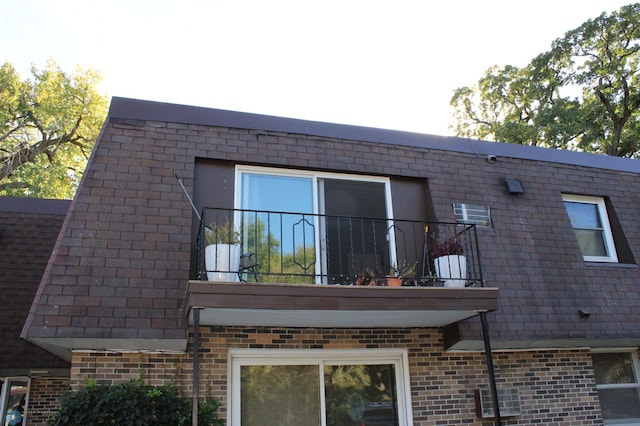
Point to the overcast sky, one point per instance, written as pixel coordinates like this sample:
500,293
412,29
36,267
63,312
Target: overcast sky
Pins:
391,64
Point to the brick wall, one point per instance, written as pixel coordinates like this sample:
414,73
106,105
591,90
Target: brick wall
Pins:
556,386
44,398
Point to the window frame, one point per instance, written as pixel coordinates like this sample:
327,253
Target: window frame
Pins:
599,202
320,357
636,385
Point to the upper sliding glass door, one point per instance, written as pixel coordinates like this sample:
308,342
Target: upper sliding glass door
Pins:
356,229
314,226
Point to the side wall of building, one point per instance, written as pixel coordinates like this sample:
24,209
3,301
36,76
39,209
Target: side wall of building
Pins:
556,386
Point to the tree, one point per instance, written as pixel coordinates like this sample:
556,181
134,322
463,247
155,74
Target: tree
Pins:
583,94
48,126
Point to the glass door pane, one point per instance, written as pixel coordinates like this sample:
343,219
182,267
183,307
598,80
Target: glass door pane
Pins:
360,395
280,229
355,229
276,395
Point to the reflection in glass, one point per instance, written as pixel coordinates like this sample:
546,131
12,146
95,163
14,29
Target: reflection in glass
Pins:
613,368
587,225
15,402
276,395
280,230
360,394
617,368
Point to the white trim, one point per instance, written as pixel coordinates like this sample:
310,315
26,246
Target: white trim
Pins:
397,357
606,226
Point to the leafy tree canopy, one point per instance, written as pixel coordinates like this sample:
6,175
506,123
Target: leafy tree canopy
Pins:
48,125
583,94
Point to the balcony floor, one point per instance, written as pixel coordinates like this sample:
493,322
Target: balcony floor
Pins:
304,305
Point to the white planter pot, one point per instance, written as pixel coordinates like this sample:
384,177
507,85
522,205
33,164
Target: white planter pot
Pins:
452,269
222,257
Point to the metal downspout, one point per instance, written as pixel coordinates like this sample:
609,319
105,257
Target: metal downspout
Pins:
196,362
487,347
490,369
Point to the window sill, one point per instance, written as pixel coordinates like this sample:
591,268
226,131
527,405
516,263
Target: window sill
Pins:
611,265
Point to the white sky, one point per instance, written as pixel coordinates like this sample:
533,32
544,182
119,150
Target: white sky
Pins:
392,64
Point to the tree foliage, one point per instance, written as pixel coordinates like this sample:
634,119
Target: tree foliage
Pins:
583,94
48,125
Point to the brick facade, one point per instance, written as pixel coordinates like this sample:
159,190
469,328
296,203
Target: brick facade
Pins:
556,386
44,398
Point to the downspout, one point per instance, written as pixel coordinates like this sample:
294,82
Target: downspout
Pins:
196,362
487,348
490,369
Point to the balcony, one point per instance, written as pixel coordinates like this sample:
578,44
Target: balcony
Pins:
299,269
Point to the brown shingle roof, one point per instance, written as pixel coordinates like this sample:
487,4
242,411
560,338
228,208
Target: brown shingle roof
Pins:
28,231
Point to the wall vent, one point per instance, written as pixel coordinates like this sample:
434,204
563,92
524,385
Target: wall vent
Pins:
508,398
472,214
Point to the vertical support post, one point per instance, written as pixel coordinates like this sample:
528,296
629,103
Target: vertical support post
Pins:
196,364
490,369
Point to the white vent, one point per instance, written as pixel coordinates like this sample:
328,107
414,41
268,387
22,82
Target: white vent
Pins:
472,214
508,398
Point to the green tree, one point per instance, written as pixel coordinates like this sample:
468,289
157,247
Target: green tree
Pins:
48,126
583,94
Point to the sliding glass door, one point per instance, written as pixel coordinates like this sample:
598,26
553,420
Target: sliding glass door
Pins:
351,235
325,388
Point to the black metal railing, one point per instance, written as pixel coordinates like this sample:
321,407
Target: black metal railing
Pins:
286,247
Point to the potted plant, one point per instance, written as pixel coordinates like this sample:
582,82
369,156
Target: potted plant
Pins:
222,251
366,277
450,263
399,272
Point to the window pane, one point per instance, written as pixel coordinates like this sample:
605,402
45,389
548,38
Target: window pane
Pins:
360,394
356,243
613,368
276,395
619,404
282,243
591,242
15,402
583,215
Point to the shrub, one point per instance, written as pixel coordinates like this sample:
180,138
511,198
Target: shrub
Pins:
132,403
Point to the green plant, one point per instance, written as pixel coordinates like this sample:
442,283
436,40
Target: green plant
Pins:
131,403
448,247
221,233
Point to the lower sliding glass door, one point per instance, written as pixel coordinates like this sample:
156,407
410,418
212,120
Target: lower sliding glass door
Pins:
318,390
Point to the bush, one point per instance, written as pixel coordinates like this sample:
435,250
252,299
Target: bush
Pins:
132,403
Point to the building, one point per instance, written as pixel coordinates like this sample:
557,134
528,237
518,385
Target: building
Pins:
28,231
284,328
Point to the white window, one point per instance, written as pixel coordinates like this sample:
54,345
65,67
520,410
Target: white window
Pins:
284,206
618,387
337,387
472,214
590,222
